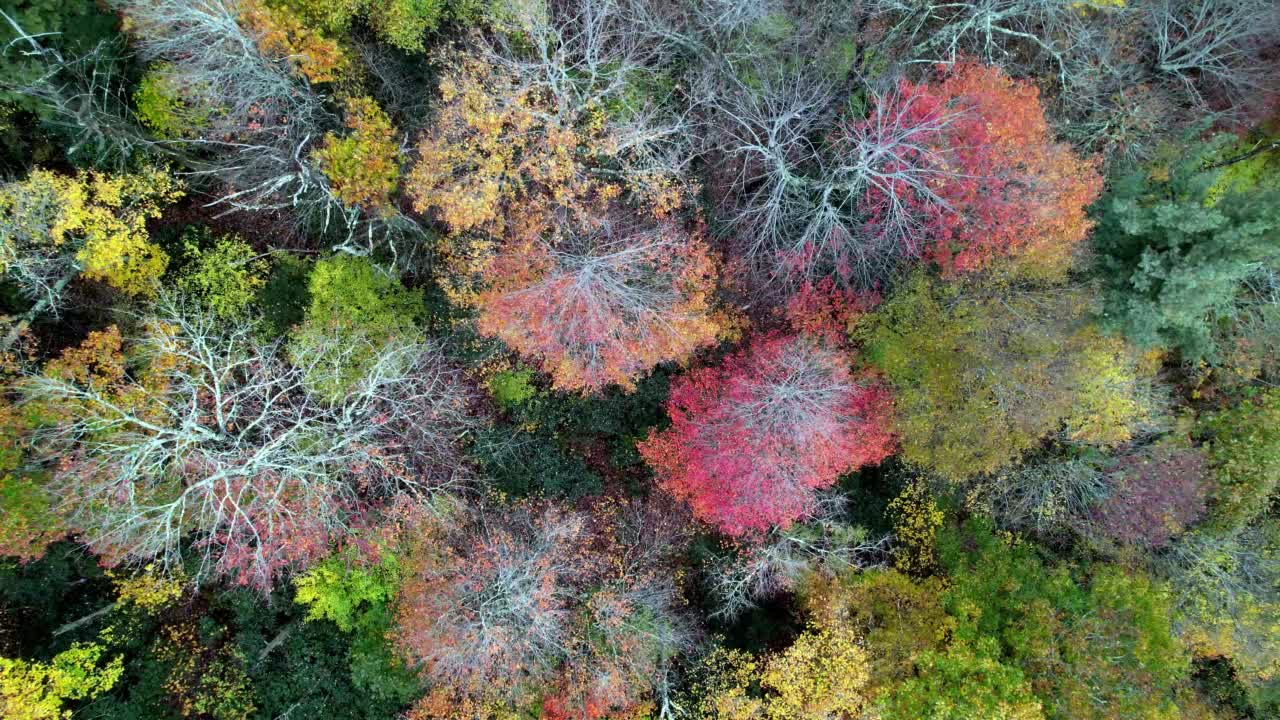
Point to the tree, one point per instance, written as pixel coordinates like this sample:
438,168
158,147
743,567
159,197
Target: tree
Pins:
601,302
1215,50
212,437
362,167
362,306
963,683
753,439
498,152
1174,250
1099,646
28,521
1008,190
898,619
223,273
1243,444
502,607
1052,498
248,71
55,227
959,171
916,521
205,679
37,691
1156,493
982,371
401,23
822,674
785,559
1227,605
540,127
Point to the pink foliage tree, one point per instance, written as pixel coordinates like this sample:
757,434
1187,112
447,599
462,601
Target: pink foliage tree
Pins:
753,439
1156,494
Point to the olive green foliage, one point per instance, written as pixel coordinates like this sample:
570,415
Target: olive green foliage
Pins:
402,24
961,684
161,108
1175,244
1244,449
1095,647
1227,592
223,273
898,618
356,308
984,370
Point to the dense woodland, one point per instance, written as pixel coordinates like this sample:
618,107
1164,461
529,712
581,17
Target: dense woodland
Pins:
640,359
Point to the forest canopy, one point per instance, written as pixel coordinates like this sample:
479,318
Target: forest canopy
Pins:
640,359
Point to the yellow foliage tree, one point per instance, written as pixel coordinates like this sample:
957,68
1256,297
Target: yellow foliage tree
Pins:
822,676
362,166
110,213
916,521
38,691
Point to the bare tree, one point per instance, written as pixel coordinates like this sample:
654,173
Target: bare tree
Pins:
262,122
217,439
585,55
802,206
1052,498
84,97
1212,45
784,557
991,30
490,602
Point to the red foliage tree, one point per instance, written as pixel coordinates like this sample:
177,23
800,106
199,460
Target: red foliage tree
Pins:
827,312
998,185
603,301
753,439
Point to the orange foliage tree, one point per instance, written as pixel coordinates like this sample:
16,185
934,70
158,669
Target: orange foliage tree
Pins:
558,266
1001,186
601,302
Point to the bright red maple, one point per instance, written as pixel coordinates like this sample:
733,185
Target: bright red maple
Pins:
753,439
998,184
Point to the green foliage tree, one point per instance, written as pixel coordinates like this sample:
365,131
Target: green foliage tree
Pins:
73,26
961,684
1099,648
358,302
39,691
224,273
1244,450
1174,245
356,597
